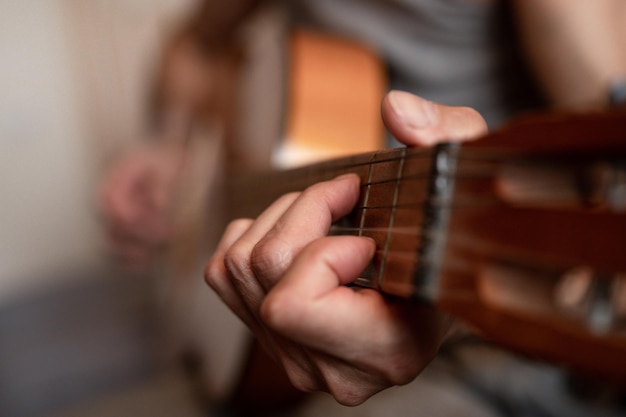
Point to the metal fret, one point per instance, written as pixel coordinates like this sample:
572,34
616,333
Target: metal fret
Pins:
366,196
366,278
391,218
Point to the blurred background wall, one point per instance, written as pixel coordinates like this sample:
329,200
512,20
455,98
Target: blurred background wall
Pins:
45,170
73,81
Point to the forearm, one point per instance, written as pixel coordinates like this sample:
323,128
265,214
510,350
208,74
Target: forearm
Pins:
576,49
215,22
195,75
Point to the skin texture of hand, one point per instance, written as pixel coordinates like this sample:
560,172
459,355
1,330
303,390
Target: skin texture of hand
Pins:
286,279
135,199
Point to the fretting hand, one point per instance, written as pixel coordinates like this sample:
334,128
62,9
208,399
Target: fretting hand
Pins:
287,280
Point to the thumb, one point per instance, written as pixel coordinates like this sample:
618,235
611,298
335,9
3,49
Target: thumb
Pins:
415,121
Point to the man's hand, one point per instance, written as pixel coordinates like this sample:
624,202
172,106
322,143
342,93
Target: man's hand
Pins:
286,279
136,198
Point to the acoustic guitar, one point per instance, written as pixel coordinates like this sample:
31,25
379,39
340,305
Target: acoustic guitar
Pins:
520,234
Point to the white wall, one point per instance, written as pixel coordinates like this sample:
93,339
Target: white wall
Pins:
72,78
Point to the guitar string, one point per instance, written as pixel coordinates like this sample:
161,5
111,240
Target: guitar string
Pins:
285,187
342,166
481,177
472,174
332,169
346,165
464,174
457,264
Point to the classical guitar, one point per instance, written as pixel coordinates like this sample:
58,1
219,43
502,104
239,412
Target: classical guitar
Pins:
521,234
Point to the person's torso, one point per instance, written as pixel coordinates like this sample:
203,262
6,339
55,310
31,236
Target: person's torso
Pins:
457,52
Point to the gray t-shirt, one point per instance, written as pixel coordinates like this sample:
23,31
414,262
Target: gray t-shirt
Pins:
457,52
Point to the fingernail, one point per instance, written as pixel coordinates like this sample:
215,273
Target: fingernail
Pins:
416,112
345,177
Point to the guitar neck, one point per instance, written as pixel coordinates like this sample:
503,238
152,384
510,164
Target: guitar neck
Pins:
248,194
520,203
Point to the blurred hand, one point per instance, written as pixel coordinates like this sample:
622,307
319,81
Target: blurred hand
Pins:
136,198
286,279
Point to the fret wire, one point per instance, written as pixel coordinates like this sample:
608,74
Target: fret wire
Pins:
391,222
366,198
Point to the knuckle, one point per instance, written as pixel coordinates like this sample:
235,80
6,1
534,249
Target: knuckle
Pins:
213,271
237,261
270,258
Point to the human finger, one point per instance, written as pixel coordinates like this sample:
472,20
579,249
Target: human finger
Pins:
312,306
238,257
323,268
218,277
416,121
307,219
